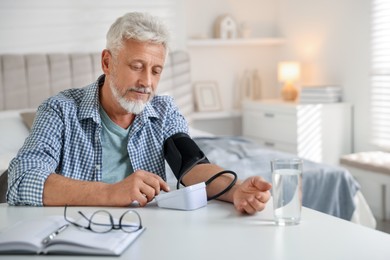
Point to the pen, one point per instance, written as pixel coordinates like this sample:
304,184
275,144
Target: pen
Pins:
55,233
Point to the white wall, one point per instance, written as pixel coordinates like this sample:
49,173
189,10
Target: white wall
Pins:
330,37
226,65
31,26
332,40
260,15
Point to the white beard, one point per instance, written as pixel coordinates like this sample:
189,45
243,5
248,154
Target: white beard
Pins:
133,107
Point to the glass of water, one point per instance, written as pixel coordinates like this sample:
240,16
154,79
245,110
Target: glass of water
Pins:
287,190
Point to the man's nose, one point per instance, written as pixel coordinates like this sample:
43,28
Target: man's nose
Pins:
145,79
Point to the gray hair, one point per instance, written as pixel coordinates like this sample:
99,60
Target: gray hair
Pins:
141,27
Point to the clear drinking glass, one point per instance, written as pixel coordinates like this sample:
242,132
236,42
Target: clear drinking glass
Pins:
287,190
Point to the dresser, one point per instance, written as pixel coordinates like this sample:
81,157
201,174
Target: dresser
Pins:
317,132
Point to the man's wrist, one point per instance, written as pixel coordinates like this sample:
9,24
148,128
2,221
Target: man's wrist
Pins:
107,194
230,194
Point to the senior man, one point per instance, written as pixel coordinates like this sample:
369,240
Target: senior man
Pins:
104,144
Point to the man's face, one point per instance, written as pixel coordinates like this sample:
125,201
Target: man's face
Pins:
134,74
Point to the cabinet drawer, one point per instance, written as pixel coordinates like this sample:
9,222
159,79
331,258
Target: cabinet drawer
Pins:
270,126
276,145
318,132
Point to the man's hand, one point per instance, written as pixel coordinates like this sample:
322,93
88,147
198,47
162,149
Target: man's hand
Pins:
251,195
141,186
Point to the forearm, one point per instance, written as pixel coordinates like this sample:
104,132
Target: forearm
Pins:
203,172
59,190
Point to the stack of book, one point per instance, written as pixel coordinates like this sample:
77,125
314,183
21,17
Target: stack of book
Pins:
320,94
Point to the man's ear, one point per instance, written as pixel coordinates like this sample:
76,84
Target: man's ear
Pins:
106,59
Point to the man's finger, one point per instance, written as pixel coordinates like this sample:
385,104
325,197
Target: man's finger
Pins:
249,209
142,200
261,184
148,191
156,182
164,186
258,205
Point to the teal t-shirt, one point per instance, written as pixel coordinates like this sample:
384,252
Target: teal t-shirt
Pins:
116,161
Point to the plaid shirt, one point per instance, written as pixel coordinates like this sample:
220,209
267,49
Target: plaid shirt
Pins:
66,139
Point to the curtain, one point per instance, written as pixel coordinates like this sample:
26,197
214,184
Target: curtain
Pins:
380,77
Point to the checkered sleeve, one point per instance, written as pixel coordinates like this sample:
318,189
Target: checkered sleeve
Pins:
37,159
175,121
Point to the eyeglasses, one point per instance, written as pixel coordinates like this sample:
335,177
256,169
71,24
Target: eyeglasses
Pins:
102,221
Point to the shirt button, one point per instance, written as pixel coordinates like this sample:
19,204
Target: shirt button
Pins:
97,167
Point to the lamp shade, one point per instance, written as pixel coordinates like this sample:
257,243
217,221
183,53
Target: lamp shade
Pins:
288,71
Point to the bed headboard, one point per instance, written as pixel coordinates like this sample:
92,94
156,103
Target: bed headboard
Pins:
27,79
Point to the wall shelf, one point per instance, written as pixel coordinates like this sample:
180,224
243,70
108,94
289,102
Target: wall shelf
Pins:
235,42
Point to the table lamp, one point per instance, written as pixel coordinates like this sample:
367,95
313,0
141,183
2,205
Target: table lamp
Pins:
288,73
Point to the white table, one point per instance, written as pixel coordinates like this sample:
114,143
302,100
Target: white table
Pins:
219,232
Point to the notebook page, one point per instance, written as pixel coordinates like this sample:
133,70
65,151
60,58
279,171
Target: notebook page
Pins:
84,241
28,235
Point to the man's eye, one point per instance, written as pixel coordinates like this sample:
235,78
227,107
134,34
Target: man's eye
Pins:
136,66
157,72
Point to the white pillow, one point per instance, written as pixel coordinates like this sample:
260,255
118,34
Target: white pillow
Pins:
13,132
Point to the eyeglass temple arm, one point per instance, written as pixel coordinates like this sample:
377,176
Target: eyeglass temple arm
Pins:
66,218
74,223
85,217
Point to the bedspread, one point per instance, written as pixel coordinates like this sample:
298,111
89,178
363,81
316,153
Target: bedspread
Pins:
326,188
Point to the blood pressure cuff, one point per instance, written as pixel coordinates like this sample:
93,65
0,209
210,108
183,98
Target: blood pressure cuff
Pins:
182,154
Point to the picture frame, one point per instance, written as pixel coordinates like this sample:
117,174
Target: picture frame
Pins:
207,97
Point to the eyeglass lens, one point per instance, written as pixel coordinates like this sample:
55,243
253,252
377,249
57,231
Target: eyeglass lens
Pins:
130,221
102,221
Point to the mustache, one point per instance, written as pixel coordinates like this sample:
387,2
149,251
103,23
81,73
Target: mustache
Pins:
143,90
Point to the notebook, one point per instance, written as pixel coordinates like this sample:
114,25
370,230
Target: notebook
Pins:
28,237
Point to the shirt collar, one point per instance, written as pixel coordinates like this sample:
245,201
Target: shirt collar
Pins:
149,111
89,106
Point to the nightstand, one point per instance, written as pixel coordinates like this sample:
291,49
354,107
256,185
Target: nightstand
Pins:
224,123
318,132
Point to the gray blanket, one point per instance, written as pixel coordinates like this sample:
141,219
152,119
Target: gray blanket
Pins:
326,188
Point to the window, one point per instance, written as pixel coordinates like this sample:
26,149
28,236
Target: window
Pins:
380,79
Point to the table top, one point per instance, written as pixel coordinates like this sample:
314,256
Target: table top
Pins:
219,232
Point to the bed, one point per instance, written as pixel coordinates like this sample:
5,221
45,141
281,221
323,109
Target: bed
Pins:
27,79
